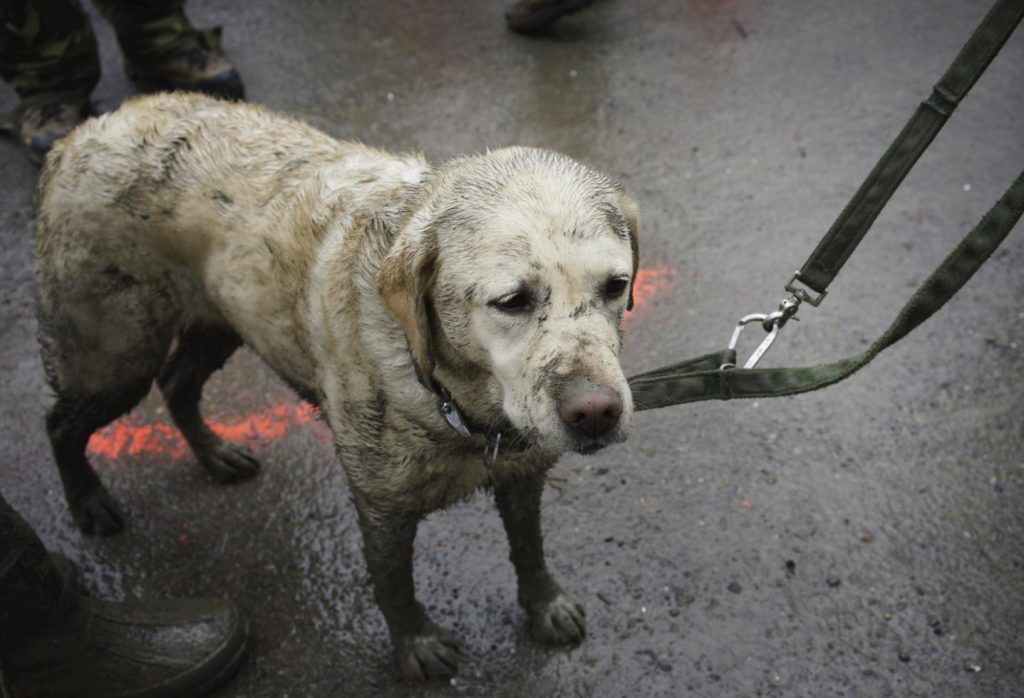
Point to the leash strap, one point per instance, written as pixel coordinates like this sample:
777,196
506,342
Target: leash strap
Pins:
703,379
712,376
853,223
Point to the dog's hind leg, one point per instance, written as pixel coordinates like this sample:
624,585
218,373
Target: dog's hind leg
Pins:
202,350
100,358
103,338
70,423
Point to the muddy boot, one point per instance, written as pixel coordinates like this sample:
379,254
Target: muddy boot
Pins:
201,69
56,643
527,16
163,51
39,127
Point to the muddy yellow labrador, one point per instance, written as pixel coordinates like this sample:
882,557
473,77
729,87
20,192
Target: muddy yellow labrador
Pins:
458,325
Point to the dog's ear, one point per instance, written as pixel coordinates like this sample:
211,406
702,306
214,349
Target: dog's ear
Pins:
631,214
404,281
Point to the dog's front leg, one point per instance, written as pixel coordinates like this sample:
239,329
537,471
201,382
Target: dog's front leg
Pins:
424,650
554,618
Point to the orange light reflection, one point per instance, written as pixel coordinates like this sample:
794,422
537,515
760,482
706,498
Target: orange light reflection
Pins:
650,281
124,438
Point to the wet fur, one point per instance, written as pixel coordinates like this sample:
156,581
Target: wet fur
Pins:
179,228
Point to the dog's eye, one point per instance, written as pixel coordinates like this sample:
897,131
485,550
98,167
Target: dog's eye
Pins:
519,302
615,287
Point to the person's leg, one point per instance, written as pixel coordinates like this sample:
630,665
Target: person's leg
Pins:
58,644
150,29
47,51
48,55
164,51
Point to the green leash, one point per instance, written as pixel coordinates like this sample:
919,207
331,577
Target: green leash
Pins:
715,377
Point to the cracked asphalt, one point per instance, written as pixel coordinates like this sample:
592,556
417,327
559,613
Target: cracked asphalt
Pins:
865,540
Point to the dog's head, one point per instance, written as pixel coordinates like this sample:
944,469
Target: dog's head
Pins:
510,281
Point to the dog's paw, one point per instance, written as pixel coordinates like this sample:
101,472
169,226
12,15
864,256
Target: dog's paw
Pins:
560,621
96,512
432,654
227,462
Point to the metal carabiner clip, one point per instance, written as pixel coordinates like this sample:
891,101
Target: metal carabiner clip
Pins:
772,323
765,345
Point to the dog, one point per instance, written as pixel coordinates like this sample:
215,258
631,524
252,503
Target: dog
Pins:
458,326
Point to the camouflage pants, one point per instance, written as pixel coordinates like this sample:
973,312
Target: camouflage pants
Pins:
48,51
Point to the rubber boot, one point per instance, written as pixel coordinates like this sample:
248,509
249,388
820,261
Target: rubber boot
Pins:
528,16
200,69
56,643
163,51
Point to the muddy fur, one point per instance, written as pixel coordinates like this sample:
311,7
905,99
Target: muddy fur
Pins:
179,228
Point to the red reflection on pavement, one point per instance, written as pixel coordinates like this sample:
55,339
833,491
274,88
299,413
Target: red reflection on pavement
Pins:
125,438
650,281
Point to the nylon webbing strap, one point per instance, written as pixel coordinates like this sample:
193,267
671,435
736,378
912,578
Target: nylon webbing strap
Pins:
855,220
701,379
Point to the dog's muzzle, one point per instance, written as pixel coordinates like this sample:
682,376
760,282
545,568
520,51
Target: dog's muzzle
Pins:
590,413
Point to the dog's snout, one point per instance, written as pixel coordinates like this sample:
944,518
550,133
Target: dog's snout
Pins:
590,410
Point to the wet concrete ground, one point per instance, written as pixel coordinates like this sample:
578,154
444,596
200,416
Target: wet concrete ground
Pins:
867,540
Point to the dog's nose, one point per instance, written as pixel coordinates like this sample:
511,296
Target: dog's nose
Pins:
590,410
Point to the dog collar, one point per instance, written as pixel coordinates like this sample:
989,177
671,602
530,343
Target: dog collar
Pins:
454,418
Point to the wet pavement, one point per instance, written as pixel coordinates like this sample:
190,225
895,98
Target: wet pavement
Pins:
866,540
